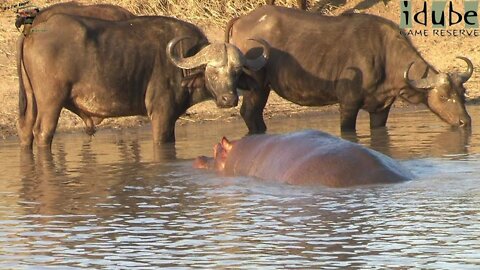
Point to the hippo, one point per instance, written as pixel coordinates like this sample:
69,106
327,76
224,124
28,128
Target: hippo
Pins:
307,157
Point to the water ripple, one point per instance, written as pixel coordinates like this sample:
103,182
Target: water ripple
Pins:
115,202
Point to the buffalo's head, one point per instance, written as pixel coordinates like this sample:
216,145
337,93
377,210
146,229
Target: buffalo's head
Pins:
445,94
224,63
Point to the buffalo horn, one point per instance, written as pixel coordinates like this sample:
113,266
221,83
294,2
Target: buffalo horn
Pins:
214,54
466,75
259,62
421,84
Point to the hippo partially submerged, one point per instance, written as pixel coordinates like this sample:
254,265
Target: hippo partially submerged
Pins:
303,158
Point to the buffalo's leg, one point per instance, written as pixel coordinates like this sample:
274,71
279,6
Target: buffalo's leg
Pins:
348,116
350,98
45,125
163,127
162,113
26,119
252,110
48,113
26,122
25,131
379,119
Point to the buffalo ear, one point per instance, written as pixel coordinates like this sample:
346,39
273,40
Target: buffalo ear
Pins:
226,144
412,96
193,81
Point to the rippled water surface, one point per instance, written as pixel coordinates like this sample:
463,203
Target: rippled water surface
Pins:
116,202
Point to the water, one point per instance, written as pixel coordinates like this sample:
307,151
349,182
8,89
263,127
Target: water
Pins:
117,202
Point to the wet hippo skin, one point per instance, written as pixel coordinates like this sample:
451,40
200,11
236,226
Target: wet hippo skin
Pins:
303,158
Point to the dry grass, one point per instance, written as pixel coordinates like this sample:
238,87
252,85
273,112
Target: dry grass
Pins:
216,12
200,11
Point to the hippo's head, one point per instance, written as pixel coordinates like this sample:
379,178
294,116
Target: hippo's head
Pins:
220,155
224,63
445,94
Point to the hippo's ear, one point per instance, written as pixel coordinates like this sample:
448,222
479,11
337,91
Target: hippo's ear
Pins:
226,144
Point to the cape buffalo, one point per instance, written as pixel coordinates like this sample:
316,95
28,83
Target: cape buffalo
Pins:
357,60
101,11
36,16
99,69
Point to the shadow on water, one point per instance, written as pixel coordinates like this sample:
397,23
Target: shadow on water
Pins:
452,141
117,201
63,182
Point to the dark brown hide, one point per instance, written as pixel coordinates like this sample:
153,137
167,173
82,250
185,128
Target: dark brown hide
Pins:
101,11
101,69
356,60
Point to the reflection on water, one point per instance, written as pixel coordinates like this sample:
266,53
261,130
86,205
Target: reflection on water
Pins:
115,201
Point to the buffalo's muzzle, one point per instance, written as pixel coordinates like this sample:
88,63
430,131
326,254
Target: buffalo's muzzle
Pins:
227,101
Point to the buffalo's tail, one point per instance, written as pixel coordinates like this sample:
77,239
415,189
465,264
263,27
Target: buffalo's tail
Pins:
22,96
26,100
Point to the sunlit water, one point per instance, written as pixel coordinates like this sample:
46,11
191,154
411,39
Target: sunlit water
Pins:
115,202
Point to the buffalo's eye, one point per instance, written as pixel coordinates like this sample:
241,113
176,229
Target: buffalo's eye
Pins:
237,69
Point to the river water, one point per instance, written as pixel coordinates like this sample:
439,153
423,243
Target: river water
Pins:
117,202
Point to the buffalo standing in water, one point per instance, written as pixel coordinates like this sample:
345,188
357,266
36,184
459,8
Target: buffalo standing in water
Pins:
99,69
36,16
303,158
359,61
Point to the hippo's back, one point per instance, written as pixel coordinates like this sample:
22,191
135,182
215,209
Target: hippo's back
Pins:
314,157
343,163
